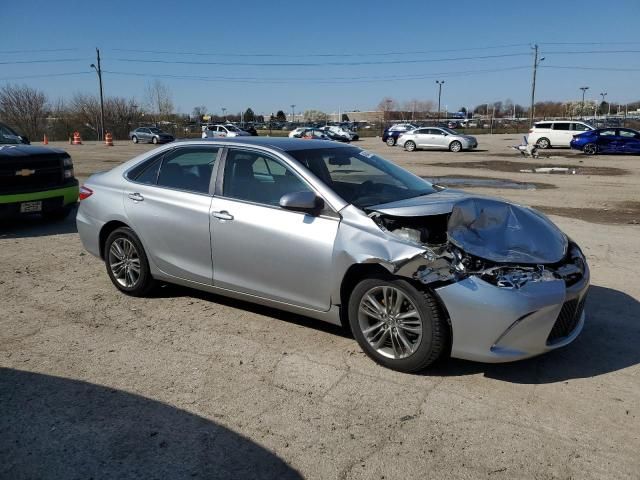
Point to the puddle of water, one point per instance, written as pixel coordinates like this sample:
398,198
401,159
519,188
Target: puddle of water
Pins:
480,182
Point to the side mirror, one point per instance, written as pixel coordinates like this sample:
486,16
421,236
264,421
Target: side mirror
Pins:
307,202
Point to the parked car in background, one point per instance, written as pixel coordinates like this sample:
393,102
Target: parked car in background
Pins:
607,140
557,133
35,180
9,136
336,132
391,134
453,124
227,130
309,133
251,130
434,137
336,233
150,135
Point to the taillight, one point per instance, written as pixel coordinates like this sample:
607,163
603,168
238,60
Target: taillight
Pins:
85,192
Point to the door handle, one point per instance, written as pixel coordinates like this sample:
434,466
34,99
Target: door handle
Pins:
136,197
222,215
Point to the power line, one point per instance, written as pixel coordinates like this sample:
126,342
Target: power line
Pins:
45,75
604,69
319,64
56,60
39,50
589,43
292,55
590,52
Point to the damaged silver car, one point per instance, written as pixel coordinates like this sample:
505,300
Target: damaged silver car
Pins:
335,233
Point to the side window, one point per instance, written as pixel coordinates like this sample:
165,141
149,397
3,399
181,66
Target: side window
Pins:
258,178
627,134
607,133
579,127
147,171
561,126
542,125
188,168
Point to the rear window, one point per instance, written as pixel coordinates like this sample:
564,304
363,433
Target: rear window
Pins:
543,125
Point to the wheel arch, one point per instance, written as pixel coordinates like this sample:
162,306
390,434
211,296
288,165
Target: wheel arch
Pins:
106,230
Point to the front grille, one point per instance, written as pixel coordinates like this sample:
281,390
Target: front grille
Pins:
567,320
42,172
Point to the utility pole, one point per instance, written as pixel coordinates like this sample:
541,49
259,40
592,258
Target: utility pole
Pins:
584,89
536,62
98,70
440,83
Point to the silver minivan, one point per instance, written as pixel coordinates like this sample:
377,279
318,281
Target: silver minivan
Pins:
556,133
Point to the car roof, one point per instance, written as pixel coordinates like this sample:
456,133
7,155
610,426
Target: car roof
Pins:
284,144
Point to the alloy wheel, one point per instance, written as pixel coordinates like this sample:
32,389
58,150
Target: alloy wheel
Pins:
590,149
390,322
124,262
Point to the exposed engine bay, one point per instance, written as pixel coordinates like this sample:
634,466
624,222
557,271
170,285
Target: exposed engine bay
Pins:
505,245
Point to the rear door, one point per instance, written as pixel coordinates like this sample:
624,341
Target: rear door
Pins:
629,141
422,137
561,134
262,249
168,205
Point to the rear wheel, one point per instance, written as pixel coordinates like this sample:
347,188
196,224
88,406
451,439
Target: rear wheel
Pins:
543,143
154,140
391,141
410,146
590,149
455,146
134,139
397,325
127,263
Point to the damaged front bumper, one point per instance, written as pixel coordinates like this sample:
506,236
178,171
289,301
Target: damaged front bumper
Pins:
495,324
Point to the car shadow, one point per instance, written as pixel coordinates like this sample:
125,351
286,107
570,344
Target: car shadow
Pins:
608,343
36,226
53,427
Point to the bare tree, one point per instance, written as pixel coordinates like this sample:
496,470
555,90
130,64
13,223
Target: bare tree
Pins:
24,108
199,112
159,100
315,116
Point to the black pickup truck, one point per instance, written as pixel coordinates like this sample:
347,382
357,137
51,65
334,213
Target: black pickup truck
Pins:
34,179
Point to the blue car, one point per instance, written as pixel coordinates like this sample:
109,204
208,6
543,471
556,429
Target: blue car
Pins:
607,140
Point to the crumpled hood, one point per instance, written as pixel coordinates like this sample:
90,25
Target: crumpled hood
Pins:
488,228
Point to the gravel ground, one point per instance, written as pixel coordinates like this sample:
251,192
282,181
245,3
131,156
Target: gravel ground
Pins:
94,384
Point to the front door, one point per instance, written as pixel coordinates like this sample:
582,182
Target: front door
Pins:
608,140
262,249
169,208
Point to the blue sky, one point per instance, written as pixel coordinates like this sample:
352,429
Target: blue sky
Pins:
296,30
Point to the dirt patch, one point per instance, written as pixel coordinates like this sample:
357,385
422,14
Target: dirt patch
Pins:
507,166
470,181
620,213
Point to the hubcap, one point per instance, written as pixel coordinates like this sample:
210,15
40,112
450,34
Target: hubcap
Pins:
390,322
455,147
590,149
124,262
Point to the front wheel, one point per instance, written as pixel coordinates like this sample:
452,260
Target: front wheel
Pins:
398,326
134,139
455,146
590,149
127,263
410,146
391,141
154,140
543,143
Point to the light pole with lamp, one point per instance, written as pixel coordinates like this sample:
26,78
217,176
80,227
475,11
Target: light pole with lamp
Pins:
224,113
603,94
293,113
98,70
584,89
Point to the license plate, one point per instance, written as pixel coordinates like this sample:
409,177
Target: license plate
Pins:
28,207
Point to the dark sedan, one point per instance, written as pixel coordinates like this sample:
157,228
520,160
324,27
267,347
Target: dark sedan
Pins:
607,140
150,135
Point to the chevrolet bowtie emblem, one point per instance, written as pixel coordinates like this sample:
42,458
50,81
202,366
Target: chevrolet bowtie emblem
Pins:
25,172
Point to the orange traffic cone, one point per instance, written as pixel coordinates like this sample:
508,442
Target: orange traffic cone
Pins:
76,138
45,141
108,139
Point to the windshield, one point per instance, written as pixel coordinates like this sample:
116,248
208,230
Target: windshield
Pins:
8,136
360,177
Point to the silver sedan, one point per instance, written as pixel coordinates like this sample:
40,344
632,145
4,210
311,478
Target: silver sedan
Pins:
336,233
435,137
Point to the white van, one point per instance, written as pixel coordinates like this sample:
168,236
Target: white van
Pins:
556,133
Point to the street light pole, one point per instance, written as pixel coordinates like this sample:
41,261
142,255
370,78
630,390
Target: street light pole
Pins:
293,113
440,83
584,89
98,70
536,62
604,94
224,113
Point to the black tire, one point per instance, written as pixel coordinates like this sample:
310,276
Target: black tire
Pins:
590,149
410,145
391,141
455,146
57,215
154,140
543,143
134,139
434,340
144,282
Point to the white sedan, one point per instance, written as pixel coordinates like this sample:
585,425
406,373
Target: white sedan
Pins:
436,137
212,131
